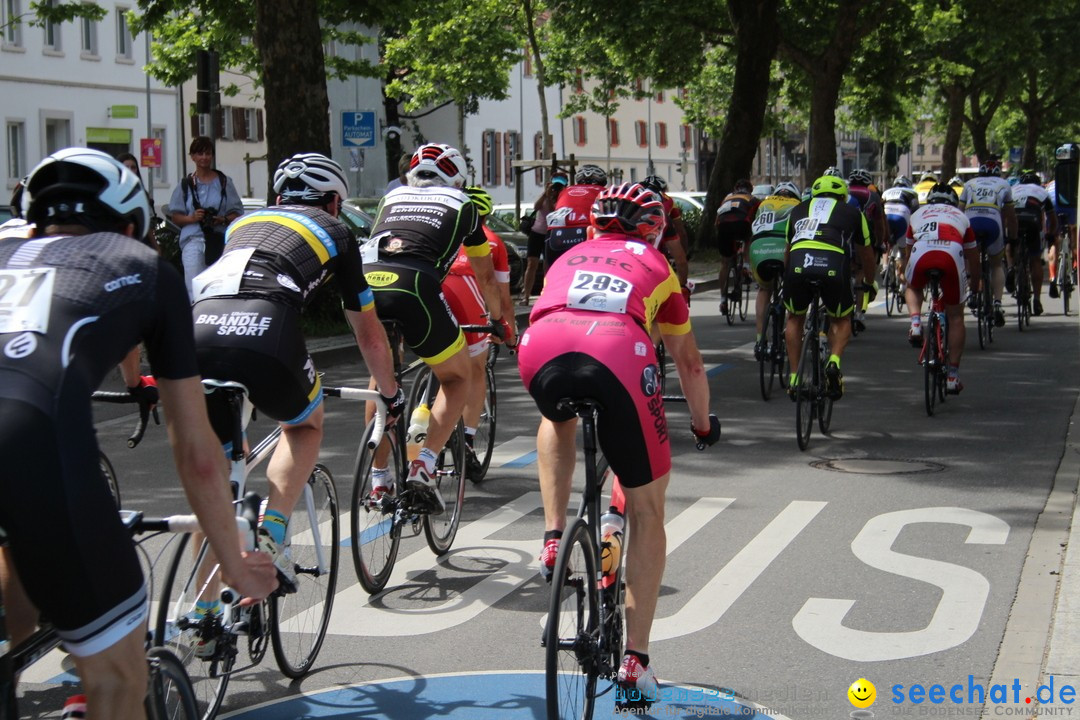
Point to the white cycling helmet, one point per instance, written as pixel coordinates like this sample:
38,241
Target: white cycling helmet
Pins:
443,161
860,177
80,186
788,187
308,179
590,175
901,181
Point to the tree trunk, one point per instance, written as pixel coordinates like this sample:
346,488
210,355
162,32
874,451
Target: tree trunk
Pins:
979,120
289,41
1034,109
756,39
954,102
824,92
394,149
528,13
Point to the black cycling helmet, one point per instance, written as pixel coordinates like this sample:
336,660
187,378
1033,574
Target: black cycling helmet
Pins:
743,186
860,177
942,193
80,186
655,183
590,175
1030,177
630,208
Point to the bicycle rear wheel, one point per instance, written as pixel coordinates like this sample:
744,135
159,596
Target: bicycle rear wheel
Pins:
806,392
891,288
169,695
193,577
766,366
930,365
484,440
744,288
375,533
779,342
440,530
110,477
298,621
571,633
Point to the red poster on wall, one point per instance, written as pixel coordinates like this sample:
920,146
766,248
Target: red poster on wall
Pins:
151,152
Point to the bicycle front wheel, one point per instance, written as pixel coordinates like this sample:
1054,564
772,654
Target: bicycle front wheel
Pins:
891,288
193,576
110,477
484,440
572,630
375,533
731,285
930,366
744,289
170,695
298,621
440,530
766,366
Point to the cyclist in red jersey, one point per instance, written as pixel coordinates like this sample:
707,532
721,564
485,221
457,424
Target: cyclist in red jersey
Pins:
569,222
589,337
674,242
467,303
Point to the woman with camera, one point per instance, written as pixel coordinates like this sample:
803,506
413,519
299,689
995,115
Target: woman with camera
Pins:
202,206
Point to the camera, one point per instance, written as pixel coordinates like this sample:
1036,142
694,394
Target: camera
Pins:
207,222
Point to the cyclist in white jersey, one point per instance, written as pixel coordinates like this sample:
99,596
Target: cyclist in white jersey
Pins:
1034,214
988,203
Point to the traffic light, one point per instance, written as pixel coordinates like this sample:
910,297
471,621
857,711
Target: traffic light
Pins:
206,81
679,167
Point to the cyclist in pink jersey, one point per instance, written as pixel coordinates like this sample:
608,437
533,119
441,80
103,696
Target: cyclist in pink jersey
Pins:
589,337
467,304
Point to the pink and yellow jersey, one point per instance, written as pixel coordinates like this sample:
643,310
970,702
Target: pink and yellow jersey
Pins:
616,274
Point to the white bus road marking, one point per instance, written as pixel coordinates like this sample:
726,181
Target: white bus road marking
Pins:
720,593
963,597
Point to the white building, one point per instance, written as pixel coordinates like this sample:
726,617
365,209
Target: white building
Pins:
80,84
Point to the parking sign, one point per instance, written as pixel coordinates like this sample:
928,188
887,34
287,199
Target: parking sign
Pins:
358,129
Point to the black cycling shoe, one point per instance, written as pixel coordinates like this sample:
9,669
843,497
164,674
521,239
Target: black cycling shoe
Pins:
1053,290
761,351
834,381
1010,281
1037,308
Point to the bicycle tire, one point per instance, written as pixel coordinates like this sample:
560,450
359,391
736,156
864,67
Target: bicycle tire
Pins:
1023,293
298,621
1064,277
988,297
766,366
571,632
440,530
806,400
614,596
374,532
110,477
169,695
779,342
930,360
891,288
744,285
484,440
179,593
981,320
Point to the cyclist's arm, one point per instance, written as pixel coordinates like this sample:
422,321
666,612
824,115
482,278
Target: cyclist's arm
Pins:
695,384
678,256
204,475
374,347
130,370
485,277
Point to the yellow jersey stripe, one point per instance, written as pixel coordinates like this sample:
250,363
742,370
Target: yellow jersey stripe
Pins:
309,237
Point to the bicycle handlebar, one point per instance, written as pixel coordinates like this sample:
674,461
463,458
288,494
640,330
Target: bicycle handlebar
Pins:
123,398
348,393
490,329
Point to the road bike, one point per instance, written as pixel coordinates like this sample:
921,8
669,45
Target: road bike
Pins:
169,693
773,363
583,638
934,356
1022,267
810,392
894,296
1065,277
294,623
984,303
737,286
145,412
377,520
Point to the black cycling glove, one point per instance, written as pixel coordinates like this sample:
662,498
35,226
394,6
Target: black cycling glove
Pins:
707,437
395,406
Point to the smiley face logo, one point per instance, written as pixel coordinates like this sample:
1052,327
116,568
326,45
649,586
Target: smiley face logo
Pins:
862,693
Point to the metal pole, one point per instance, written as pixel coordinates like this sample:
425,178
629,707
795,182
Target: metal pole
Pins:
149,124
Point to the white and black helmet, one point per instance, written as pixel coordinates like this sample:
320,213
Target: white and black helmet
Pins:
860,177
443,161
590,175
308,179
80,186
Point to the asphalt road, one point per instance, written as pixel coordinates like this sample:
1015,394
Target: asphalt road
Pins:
891,550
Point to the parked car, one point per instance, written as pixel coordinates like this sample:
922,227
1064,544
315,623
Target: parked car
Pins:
358,220
367,204
5,214
508,214
762,191
688,201
252,204
515,243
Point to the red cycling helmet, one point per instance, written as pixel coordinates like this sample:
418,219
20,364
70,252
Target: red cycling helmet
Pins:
631,209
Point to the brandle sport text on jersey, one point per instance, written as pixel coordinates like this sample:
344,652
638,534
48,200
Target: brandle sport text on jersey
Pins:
237,323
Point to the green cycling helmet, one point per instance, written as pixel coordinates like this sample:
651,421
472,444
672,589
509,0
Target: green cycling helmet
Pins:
829,185
480,199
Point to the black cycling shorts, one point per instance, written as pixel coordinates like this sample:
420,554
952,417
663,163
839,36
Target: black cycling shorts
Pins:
1029,231
414,298
832,268
729,233
536,244
72,553
259,344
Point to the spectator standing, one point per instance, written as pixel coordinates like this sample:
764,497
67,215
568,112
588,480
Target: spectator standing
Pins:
538,232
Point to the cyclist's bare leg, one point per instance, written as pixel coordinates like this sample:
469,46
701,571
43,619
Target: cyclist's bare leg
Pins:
20,615
957,332
115,679
453,374
793,333
725,265
761,304
531,266
1036,275
914,301
556,452
293,460
645,556
997,276
474,405
839,334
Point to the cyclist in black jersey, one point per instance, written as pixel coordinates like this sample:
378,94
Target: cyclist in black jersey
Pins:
823,233
80,294
416,237
247,323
